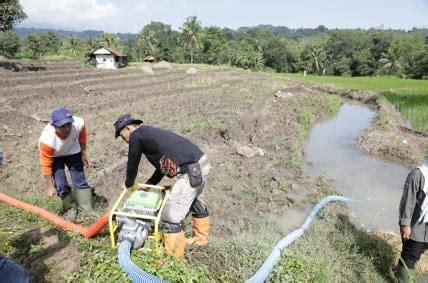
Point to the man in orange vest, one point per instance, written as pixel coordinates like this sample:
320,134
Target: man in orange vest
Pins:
63,143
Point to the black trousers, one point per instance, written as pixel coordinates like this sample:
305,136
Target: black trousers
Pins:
412,252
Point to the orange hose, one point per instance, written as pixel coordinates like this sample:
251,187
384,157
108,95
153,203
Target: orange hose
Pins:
58,221
97,226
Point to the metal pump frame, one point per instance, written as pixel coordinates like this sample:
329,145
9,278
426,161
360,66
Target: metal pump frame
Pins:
116,210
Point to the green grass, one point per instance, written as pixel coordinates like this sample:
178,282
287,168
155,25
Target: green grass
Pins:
412,105
99,264
58,57
334,250
219,125
409,96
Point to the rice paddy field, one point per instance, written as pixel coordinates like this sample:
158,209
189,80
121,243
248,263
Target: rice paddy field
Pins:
410,97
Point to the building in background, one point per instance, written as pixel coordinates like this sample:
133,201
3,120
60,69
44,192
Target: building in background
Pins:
108,58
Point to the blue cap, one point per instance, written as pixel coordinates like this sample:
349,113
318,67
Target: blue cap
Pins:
61,116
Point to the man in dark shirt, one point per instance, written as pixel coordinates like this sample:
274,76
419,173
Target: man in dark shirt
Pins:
413,221
176,157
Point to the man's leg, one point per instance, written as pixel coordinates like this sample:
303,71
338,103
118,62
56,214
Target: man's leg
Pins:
63,189
200,223
82,192
60,179
12,272
173,237
75,164
410,254
200,215
176,208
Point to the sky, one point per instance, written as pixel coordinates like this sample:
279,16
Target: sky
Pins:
132,15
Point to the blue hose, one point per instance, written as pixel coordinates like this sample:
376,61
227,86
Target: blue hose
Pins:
272,259
133,271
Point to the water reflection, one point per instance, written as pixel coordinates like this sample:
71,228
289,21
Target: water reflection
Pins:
331,151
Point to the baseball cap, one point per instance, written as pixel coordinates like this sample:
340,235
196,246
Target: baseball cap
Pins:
61,116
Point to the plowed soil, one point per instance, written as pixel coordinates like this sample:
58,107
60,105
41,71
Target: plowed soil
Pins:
219,109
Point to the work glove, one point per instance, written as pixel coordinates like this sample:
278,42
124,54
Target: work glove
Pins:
130,189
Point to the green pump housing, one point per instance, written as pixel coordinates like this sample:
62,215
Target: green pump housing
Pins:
142,201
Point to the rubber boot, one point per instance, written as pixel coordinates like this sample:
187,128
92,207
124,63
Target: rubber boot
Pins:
201,229
174,243
69,208
405,275
84,202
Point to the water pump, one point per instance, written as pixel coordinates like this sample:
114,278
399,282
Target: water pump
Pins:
137,218
136,230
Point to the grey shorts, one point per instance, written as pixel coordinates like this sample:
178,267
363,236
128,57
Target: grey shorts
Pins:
182,194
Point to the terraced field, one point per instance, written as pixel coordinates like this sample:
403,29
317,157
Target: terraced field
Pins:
225,111
216,108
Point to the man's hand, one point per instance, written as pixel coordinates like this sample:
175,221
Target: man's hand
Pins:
405,232
51,192
51,187
131,188
85,159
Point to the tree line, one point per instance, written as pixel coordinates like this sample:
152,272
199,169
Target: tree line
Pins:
321,51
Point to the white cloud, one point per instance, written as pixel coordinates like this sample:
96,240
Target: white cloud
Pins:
107,15
141,7
70,12
133,15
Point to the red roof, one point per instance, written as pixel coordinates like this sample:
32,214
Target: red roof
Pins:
115,52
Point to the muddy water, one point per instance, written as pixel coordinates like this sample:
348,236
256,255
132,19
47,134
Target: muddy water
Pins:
331,151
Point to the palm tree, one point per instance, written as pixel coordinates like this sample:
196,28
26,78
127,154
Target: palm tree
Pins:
191,29
109,40
71,45
390,62
317,53
147,43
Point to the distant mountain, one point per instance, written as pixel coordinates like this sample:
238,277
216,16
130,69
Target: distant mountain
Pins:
304,32
423,31
285,31
275,30
21,31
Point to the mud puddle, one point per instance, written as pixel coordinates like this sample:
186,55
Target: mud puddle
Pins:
331,151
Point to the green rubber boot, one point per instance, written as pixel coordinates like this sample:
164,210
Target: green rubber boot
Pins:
84,202
405,275
69,208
